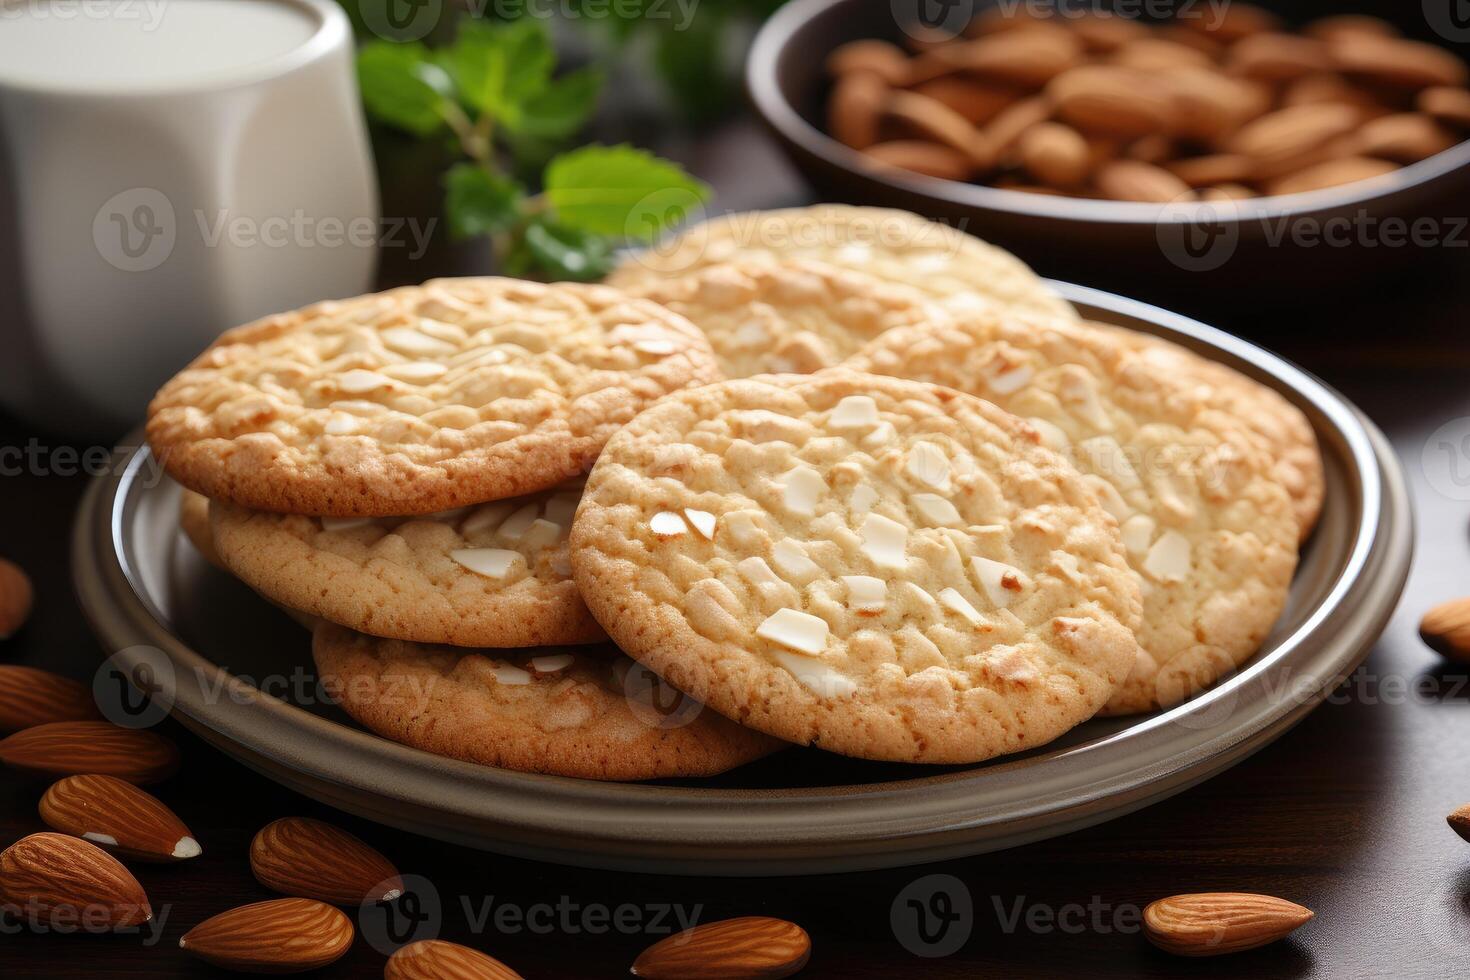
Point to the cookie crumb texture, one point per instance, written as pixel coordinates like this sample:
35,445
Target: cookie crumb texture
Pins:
496,575
878,567
420,399
1210,533
587,712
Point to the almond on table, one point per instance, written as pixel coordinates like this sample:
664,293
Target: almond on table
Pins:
56,876
118,816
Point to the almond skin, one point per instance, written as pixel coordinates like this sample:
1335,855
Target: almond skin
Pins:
1054,154
1459,821
1395,61
855,109
932,120
68,748
1278,139
1445,629
922,157
1405,137
752,946
30,697
885,60
1134,180
1213,923
286,935
1447,104
47,878
313,859
1330,173
1111,101
119,817
977,102
16,597
435,959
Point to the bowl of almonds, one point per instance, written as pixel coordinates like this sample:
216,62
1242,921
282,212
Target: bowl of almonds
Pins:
1128,151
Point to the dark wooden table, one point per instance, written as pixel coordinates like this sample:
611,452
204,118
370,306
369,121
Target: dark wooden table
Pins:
1344,814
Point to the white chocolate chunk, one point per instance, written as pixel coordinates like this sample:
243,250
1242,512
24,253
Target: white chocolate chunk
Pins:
935,509
416,371
757,571
866,593
1169,558
655,346
345,523
490,562
517,524
796,630
667,524
884,541
505,673
792,559
863,498
928,464
816,676
487,517
542,534
881,436
803,488
1052,437
551,663
1006,380
341,424
958,603
854,412
358,382
406,340
1001,582
703,522
1138,533
1106,458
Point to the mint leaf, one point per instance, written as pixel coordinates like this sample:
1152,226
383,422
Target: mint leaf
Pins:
498,67
568,253
402,86
562,108
478,202
620,191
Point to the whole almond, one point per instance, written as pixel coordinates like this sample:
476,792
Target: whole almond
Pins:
1212,923
1459,821
856,108
1278,138
117,816
932,120
1339,25
978,102
1158,54
313,859
1153,149
1448,105
753,946
1445,629
1134,180
1199,40
1028,59
1330,173
1230,22
1213,169
1111,101
1331,87
1054,154
1209,106
30,696
1277,57
16,598
1102,32
285,935
885,60
1002,132
69,748
922,157
1394,61
1406,137
53,878
435,959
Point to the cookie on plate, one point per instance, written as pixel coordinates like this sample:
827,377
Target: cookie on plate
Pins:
419,399
1211,534
580,711
1279,427
959,270
194,521
791,316
877,567
496,575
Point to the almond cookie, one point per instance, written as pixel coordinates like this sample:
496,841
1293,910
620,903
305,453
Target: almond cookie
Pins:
881,568
793,316
585,711
1210,533
497,575
1279,428
959,270
194,521
419,399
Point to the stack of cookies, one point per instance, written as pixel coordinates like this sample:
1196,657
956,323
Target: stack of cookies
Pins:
849,478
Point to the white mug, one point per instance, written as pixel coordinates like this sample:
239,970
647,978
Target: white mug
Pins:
168,169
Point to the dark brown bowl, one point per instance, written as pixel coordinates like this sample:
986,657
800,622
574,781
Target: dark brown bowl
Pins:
1196,256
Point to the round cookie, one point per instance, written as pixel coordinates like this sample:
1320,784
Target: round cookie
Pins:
497,575
194,521
1210,533
419,399
881,568
959,270
568,712
789,316
1279,427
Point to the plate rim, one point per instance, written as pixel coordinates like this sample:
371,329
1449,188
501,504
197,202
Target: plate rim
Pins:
741,831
